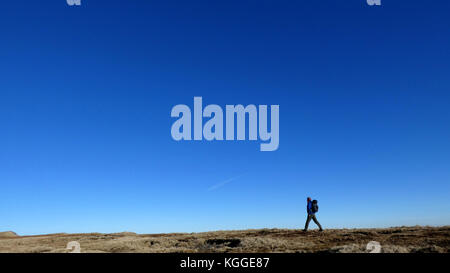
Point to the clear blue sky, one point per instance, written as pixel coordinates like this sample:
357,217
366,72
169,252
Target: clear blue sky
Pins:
86,94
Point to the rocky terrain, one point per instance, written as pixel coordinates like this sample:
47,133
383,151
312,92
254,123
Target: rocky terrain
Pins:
391,240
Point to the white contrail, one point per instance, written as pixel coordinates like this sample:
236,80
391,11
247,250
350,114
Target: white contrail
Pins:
223,183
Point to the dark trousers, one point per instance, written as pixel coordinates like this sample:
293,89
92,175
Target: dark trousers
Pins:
312,216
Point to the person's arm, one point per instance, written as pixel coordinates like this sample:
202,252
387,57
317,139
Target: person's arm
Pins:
309,208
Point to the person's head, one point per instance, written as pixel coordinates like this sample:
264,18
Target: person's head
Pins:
308,199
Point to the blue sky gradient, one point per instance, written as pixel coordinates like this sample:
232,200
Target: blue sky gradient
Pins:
86,94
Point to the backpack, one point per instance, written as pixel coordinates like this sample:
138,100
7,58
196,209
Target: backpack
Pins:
314,206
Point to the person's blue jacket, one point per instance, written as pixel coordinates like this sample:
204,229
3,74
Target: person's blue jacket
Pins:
309,208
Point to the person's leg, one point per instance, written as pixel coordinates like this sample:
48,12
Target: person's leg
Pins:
317,222
307,222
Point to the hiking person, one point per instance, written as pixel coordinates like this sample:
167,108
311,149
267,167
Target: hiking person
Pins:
311,209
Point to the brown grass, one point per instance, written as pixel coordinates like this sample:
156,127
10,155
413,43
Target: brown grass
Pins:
399,239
